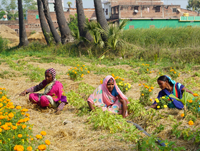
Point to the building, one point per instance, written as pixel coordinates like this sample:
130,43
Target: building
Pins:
141,13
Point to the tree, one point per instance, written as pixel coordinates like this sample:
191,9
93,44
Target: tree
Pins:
44,26
194,4
2,13
22,31
50,23
62,23
101,19
69,4
81,21
13,5
30,5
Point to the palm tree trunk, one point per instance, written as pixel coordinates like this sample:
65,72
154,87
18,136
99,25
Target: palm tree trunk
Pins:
44,26
22,30
101,19
81,20
64,28
49,20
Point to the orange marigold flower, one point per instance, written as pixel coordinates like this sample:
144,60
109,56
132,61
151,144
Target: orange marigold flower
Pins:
190,101
88,71
150,90
182,115
190,122
43,133
19,135
18,107
42,147
142,94
47,142
18,148
29,148
14,127
23,126
139,84
195,94
0,130
1,104
39,136
82,75
11,115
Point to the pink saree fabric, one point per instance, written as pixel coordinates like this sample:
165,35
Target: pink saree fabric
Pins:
101,97
34,98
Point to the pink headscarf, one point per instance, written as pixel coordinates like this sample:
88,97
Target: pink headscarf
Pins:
106,93
52,71
106,96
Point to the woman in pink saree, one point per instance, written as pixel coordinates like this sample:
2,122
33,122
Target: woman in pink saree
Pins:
53,95
109,97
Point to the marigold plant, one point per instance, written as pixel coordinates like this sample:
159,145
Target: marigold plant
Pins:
145,93
78,72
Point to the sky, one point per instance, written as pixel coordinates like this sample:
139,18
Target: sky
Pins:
90,4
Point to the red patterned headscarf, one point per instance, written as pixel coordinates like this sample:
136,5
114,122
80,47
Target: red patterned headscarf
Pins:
52,71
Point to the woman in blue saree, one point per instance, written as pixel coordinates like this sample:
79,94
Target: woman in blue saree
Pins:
168,87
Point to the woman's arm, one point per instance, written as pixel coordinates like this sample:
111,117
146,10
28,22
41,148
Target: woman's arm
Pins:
34,88
187,90
124,106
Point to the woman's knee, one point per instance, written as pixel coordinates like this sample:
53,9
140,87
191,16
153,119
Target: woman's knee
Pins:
44,101
33,97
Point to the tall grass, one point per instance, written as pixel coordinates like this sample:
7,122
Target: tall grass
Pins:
163,37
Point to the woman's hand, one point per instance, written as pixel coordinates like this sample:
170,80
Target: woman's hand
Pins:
23,93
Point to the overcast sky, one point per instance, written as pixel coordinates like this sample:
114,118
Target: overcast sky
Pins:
90,3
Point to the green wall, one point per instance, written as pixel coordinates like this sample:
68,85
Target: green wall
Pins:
159,23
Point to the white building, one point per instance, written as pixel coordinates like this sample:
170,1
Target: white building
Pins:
107,8
51,5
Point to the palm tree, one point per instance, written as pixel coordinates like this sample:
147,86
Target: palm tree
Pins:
44,26
69,4
49,20
100,14
83,32
22,31
64,28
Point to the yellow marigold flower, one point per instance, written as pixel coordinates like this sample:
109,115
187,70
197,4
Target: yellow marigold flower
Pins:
182,115
0,130
29,148
32,139
163,97
165,106
126,89
11,115
88,71
8,123
39,136
158,107
18,107
147,69
190,122
139,84
113,75
190,101
174,72
78,65
42,147
19,148
83,65
82,75
195,94
22,113
43,133
47,142
157,101
150,72
142,94
19,135
29,128
150,99
101,81
150,90
1,104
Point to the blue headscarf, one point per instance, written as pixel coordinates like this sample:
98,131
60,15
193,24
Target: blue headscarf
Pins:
170,80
